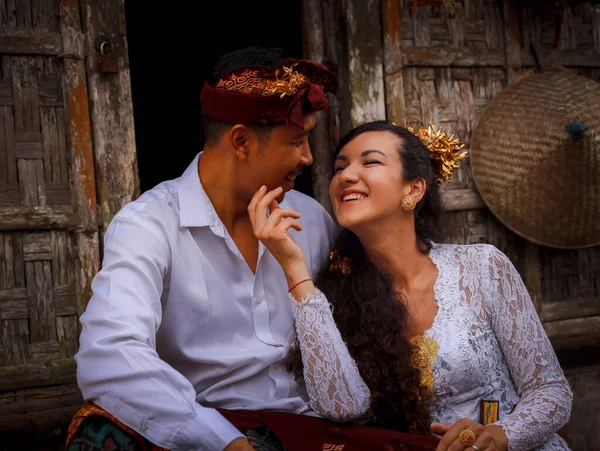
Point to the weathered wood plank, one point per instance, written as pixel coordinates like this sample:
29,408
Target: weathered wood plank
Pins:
532,273
574,327
56,372
512,39
11,154
80,142
13,304
3,153
86,267
312,23
39,399
65,302
62,146
27,183
581,57
15,339
59,264
365,58
451,56
575,308
80,147
392,61
19,268
17,42
24,14
46,350
111,103
68,334
461,199
11,14
17,94
42,422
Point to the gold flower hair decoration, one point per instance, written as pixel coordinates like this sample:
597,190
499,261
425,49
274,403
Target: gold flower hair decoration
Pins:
286,83
445,150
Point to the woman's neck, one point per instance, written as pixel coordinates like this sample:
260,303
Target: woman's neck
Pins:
396,250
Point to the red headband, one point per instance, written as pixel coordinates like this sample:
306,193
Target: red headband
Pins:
267,95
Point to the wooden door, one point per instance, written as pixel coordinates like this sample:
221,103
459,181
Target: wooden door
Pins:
49,250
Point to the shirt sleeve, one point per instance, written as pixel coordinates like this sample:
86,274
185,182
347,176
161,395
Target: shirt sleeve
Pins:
546,397
335,387
118,367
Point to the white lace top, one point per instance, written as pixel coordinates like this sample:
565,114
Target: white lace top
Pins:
492,346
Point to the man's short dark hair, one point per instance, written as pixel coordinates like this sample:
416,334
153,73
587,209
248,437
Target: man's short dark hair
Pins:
213,130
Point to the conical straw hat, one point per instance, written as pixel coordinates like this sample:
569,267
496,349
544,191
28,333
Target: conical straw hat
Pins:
535,157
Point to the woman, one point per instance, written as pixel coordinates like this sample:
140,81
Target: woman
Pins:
433,328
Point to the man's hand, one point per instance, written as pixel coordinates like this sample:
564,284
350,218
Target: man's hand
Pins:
239,444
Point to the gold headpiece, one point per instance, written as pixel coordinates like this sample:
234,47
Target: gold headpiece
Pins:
285,81
445,150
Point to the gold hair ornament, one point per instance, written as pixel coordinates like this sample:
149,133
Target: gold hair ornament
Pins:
445,150
339,264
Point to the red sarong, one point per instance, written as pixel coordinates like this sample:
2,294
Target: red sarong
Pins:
296,432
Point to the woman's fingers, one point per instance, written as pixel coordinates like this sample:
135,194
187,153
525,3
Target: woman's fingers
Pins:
451,442
257,208
287,223
485,442
276,217
440,428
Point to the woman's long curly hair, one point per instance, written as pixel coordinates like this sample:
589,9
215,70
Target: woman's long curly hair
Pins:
370,313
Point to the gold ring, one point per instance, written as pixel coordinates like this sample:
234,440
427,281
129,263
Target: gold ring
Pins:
467,437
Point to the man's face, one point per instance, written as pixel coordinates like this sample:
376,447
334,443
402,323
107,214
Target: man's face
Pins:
280,157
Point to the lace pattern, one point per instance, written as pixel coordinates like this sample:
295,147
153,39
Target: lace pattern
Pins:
493,346
333,382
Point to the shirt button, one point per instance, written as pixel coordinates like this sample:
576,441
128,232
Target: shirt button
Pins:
258,300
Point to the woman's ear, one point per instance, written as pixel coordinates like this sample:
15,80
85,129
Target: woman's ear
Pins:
417,188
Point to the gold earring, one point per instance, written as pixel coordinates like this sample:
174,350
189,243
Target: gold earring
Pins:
408,203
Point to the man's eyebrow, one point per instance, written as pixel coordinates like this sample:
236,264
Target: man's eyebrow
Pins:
303,134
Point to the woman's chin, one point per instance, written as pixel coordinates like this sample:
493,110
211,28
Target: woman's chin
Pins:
352,223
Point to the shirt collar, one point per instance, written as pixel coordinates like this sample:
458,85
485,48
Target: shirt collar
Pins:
195,207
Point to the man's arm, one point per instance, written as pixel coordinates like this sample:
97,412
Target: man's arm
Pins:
118,367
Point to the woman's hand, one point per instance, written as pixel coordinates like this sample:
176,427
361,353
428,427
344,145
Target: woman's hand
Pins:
273,232
489,438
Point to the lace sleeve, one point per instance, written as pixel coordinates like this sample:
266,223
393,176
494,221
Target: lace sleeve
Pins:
546,397
334,385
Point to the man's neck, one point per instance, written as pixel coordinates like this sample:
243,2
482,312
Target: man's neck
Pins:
219,179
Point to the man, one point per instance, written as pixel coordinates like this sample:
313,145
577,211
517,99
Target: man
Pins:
189,313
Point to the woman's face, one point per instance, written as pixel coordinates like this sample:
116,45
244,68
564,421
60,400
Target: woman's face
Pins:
367,186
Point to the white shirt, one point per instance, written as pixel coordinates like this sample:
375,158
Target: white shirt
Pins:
178,324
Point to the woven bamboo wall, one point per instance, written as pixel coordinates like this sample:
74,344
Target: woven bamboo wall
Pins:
49,248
